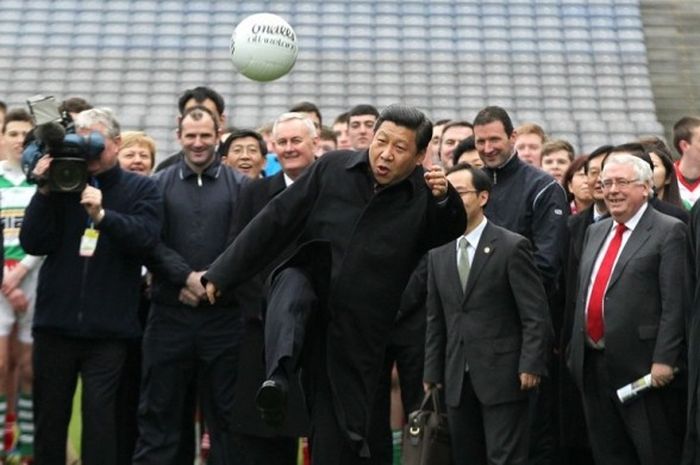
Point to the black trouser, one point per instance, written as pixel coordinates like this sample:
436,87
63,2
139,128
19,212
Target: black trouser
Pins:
409,365
255,450
180,344
646,431
57,362
488,434
127,403
543,447
292,301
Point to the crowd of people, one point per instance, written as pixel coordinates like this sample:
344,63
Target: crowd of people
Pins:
282,282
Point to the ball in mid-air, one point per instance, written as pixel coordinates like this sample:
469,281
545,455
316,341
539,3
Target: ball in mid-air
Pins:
264,47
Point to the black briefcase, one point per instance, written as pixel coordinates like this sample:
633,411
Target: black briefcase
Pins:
426,436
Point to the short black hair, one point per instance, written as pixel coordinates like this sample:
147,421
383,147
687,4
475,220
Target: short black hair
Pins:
602,151
635,149
240,133
481,181
200,94
74,105
196,112
441,122
494,113
467,145
363,109
328,134
344,117
17,114
3,106
683,130
308,107
411,118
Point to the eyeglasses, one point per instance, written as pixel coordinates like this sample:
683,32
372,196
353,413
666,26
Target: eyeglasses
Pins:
620,183
463,193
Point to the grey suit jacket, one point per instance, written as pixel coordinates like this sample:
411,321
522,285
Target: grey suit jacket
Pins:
646,303
499,325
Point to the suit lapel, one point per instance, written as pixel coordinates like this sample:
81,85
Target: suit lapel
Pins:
638,237
484,250
276,185
590,253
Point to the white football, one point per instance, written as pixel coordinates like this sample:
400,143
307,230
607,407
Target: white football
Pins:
264,47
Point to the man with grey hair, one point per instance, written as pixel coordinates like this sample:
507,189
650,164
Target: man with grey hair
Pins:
629,321
296,140
294,135
88,293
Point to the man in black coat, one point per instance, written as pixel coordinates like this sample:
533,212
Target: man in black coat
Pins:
365,218
88,293
575,447
295,141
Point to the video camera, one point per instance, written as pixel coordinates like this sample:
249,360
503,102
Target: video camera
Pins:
55,134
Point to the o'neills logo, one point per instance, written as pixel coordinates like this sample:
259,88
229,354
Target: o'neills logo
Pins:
276,30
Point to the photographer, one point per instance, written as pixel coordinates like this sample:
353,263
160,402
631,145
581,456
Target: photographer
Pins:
86,307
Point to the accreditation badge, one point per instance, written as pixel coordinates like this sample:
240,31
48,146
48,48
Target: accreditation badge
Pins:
88,243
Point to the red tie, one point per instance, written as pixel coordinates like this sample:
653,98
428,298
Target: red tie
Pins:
595,303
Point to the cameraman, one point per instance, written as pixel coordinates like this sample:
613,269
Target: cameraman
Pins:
86,307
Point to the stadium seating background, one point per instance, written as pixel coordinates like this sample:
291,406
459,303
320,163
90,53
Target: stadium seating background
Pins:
577,67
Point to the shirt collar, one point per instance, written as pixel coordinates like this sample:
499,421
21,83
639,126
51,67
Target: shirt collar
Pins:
634,221
361,160
287,180
474,235
212,171
597,214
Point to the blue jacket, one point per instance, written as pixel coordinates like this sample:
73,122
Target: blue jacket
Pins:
528,201
199,212
95,297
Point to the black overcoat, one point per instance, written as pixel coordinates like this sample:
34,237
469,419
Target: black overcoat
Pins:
376,238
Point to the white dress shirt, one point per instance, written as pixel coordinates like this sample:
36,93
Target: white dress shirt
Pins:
473,239
630,225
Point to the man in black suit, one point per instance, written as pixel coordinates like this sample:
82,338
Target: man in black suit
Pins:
295,138
575,447
630,320
364,219
489,331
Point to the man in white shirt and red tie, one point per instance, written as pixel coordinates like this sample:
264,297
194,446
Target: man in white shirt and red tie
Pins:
633,299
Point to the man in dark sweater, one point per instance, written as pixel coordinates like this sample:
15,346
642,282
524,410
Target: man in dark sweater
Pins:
88,293
187,340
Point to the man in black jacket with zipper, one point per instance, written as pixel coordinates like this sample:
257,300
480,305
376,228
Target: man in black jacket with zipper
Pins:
186,338
527,201
88,292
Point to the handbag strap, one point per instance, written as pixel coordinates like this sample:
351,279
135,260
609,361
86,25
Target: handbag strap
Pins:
432,394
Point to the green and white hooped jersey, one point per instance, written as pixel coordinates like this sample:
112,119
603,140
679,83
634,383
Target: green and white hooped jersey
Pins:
14,199
690,193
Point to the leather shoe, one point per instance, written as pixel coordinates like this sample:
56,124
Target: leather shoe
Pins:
271,401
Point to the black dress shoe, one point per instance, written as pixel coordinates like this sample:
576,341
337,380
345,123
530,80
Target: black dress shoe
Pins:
271,401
